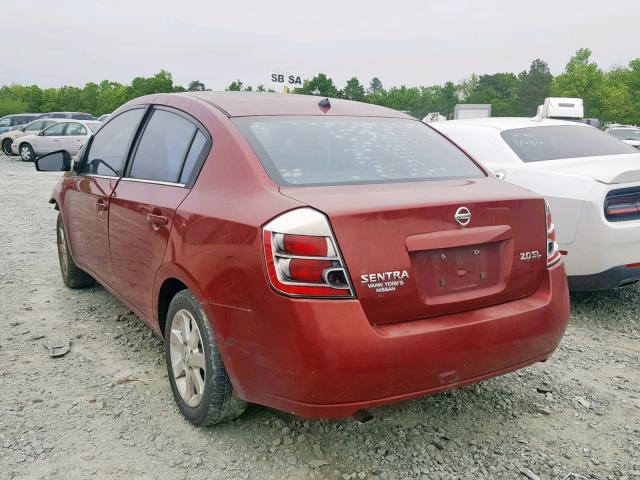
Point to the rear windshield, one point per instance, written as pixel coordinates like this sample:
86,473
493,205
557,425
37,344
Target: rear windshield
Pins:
537,144
310,150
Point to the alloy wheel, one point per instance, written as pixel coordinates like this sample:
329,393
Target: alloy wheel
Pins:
187,357
25,153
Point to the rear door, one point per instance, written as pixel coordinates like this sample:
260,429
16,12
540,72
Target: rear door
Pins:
74,137
145,200
87,195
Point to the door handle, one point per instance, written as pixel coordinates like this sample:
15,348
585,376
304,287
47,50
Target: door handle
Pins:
157,220
101,205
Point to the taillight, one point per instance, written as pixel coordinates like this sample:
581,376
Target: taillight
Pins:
553,250
302,256
622,204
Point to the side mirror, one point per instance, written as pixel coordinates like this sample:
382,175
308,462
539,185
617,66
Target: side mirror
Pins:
59,161
41,133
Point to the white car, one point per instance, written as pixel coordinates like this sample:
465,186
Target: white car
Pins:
591,180
69,135
628,134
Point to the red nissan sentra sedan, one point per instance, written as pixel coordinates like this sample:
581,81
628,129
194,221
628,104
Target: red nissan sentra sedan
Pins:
319,257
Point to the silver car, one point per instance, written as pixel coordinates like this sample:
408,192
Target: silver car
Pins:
69,135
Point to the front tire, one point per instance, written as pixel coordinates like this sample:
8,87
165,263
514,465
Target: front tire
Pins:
72,275
6,146
26,153
199,380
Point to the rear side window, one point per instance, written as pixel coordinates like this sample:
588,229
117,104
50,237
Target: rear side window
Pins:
75,129
81,116
557,142
59,115
314,150
163,147
194,157
110,145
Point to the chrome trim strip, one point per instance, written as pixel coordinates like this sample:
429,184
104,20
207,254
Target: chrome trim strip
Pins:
97,176
304,257
155,182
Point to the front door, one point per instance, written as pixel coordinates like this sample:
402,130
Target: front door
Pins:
87,197
50,139
74,137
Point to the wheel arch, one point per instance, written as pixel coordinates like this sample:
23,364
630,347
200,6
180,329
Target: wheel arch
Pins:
169,281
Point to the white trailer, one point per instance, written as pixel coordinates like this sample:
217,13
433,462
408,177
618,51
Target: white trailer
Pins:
471,110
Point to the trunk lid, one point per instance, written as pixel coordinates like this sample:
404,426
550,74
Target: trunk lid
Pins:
609,169
407,256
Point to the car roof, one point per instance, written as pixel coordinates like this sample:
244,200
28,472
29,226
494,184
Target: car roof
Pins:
508,123
242,104
68,120
623,127
20,115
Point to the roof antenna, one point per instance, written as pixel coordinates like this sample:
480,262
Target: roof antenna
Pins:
324,105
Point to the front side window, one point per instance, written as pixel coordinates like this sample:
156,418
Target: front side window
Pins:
163,147
626,134
75,129
310,150
55,130
557,142
110,145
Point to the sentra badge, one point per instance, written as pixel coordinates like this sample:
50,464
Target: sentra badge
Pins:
384,281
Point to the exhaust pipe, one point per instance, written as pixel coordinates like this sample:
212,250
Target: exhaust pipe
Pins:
362,416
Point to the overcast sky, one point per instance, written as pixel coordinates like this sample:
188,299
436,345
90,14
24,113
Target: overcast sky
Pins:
422,42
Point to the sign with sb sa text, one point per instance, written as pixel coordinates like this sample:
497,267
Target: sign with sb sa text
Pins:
280,81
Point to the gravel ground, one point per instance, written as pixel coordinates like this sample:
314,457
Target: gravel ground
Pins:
105,410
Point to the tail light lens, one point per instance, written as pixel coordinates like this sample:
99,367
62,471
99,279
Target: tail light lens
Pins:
622,204
553,250
302,256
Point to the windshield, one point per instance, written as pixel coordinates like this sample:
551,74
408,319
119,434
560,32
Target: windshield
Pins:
310,150
626,133
537,144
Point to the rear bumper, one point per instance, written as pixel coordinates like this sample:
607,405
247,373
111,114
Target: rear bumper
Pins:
611,278
330,362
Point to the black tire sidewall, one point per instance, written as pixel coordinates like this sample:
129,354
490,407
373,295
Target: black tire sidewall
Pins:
8,151
59,231
186,300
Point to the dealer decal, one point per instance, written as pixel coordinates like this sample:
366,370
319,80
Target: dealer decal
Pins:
384,281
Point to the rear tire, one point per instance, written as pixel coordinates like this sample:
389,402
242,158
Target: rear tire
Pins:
6,146
199,380
72,275
26,153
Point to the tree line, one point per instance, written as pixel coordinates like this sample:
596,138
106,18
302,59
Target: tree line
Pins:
610,95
